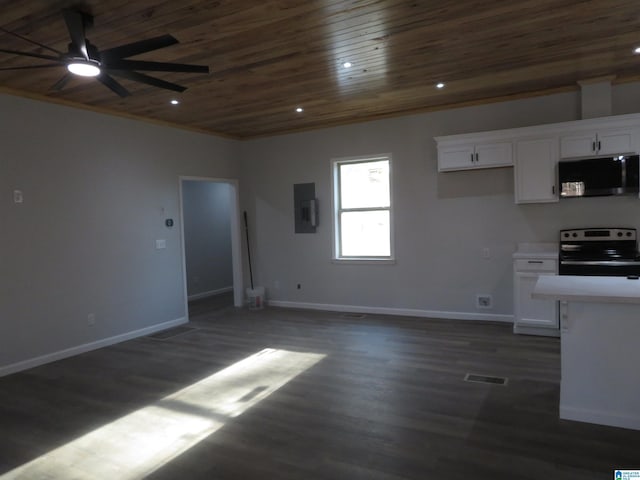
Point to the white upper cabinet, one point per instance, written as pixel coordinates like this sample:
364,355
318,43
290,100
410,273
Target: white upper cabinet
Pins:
466,156
494,154
457,157
606,142
535,151
535,170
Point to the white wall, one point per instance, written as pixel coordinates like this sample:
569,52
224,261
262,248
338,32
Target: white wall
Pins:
442,221
207,236
97,190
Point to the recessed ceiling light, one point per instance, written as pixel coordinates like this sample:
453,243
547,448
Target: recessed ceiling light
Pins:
174,102
347,64
440,85
299,110
636,50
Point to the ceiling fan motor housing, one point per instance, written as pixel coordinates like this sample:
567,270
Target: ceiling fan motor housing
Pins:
75,52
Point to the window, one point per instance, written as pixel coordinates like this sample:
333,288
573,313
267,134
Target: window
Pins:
362,208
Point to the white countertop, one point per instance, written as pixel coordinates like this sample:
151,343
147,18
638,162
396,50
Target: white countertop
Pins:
587,289
537,250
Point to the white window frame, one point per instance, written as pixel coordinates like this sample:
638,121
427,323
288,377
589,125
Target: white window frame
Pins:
337,210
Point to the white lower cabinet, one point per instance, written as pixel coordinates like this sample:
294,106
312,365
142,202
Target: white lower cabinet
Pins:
533,316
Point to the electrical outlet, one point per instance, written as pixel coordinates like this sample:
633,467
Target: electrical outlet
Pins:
483,301
17,196
91,319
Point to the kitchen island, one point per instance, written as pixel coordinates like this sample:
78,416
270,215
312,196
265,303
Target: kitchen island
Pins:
600,347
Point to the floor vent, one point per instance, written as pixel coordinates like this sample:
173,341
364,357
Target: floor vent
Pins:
171,332
470,377
353,315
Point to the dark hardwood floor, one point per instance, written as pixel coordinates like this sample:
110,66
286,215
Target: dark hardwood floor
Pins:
388,401
210,304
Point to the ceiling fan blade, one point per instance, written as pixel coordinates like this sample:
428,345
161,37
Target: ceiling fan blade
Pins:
48,65
136,48
28,54
142,78
62,82
155,66
113,85
30,41
75,21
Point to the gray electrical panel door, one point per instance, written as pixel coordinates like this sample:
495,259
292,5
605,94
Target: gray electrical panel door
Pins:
305,207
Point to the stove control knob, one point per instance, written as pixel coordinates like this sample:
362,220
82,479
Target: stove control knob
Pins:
575,234
619,234
566,235
628,234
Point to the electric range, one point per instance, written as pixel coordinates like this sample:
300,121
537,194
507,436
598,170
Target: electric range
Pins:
599,251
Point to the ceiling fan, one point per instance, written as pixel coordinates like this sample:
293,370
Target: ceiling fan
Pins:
85,59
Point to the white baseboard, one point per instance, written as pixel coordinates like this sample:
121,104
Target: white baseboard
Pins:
210,293
538,331
87,347
627,420
405,312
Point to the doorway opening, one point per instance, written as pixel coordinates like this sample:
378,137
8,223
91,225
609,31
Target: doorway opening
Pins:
211,243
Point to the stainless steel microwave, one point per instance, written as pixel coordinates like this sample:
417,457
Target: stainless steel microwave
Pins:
592,177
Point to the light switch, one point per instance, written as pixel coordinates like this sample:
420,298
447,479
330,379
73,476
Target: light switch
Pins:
160,244
17,196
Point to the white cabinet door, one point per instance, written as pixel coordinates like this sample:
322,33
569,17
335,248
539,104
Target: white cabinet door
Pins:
615,141
494,155
579,145
470,156
605,142
535,170
531,312
458,157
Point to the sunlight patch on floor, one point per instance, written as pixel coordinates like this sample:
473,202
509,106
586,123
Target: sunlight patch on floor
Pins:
135,445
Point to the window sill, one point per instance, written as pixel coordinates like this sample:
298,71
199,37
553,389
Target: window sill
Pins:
363,261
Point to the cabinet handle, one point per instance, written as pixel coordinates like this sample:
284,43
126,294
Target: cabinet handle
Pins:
553,189
476,157
593,146
599,146
535,261
472,158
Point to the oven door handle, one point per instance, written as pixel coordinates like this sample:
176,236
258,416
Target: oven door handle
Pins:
600,262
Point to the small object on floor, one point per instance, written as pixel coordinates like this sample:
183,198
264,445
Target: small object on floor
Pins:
470,377
255,298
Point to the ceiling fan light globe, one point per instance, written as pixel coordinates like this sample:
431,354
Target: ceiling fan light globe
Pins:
84,69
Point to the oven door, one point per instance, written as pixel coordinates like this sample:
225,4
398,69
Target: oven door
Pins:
607,268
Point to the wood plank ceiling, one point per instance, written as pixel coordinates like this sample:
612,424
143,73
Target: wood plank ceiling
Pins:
269,57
